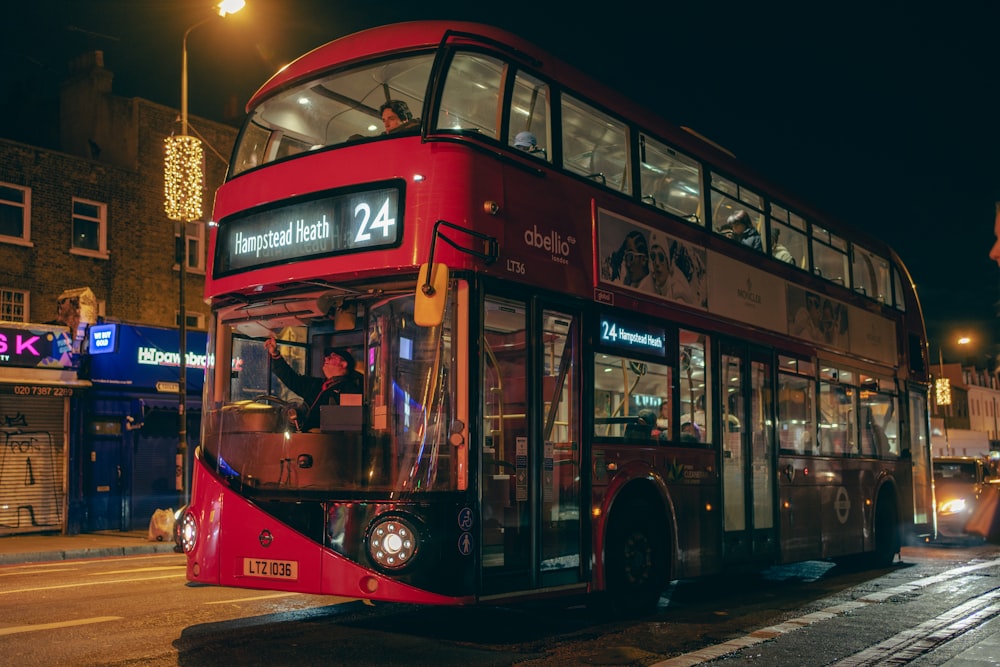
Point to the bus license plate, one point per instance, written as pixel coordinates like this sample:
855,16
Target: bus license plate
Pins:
271,569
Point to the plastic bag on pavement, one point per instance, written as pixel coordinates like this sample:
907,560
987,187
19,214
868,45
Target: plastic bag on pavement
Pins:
161,526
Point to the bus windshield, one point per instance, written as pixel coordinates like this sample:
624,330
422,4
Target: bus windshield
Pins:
338,108
393,437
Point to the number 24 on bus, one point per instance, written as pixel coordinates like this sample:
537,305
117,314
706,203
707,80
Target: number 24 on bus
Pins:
572,375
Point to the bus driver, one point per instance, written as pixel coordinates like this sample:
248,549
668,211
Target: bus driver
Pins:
340,378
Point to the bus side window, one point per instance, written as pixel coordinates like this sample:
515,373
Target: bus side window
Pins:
595,145
670,180
529,113
694,381
627,395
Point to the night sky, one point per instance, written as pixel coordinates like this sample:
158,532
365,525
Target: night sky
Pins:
884,115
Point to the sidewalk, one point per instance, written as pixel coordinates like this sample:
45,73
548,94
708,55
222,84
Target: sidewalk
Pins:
37,548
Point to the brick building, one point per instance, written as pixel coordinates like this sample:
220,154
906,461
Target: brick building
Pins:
96,443
93,208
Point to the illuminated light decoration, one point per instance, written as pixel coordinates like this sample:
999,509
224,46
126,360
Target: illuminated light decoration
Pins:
183,178
942,391
392,543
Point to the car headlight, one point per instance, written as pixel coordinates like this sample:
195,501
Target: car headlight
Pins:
393,542
188,532
952,506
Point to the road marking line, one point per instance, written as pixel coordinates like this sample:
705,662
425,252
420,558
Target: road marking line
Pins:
46,571
17,629
138,569
179,575
258,597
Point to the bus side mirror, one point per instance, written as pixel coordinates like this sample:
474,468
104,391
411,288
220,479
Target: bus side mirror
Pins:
429,301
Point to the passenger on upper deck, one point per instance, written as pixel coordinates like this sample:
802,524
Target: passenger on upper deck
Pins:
339,378
527,142
778,248
744,231
396,116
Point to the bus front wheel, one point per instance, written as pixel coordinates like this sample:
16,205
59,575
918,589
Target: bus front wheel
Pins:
636,559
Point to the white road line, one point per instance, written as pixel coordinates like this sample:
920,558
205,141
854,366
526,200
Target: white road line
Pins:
179,575
257,597
46,571
17,629
138,569
758,636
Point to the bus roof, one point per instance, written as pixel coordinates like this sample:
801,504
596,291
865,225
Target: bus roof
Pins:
414,35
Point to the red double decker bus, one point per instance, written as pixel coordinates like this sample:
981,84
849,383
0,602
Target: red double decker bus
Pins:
598,353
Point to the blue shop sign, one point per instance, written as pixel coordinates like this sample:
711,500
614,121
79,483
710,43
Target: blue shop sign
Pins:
145,357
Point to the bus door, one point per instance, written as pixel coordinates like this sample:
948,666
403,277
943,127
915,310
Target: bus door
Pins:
530,476
748,465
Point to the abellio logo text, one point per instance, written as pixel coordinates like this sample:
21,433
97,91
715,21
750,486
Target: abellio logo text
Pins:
551,242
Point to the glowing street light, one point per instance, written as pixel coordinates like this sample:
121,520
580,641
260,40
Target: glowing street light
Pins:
183,180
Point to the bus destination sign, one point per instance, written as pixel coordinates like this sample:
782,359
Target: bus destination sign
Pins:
307,229
630,336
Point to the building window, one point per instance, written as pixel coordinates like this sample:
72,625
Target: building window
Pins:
13,305
90,228
195,239
194,320
15,214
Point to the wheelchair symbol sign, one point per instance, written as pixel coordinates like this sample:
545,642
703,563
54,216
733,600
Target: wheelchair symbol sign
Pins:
465,519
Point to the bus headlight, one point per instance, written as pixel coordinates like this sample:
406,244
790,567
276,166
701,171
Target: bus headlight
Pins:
188,532
392,542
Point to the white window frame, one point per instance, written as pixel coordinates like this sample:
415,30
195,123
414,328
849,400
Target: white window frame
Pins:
102,228
196,246
195,320
25,206
7,304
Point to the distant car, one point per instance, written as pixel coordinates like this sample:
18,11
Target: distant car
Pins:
958,483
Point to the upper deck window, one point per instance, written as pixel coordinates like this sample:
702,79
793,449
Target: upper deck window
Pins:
671,181
830,256
788,237
731,199
595,145
330,110
471,95
871,275
529,117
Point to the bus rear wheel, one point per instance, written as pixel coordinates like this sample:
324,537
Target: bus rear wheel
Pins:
887,538
636,559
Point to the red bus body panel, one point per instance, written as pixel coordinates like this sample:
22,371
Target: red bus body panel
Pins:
241,530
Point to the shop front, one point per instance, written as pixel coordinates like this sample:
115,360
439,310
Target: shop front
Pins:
130,426
38,388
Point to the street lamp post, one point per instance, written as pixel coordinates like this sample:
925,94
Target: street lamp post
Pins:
183,181
942,391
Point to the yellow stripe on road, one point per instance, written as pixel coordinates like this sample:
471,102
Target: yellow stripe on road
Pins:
17,629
